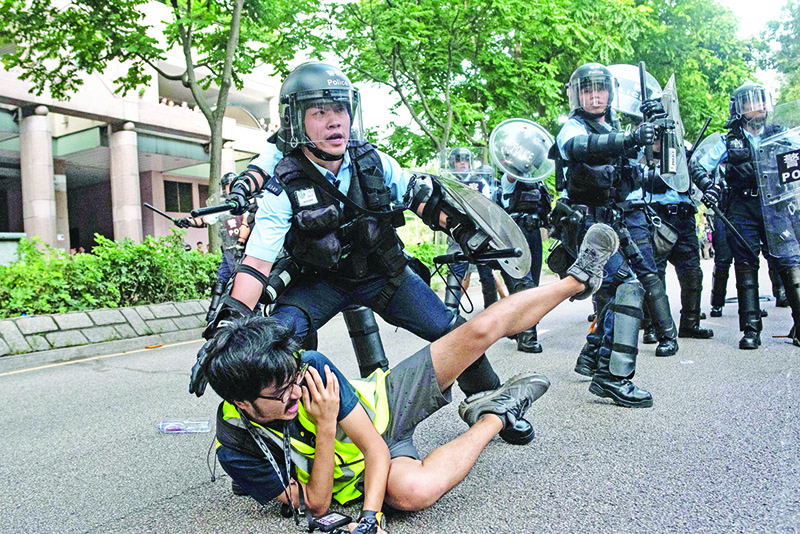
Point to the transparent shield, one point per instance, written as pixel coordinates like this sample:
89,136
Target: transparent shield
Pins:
227,225
327,120
493,220
628,98
679,181
699,153
519,148
778,168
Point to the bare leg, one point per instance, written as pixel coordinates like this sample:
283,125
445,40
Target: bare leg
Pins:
414,484
454,352
502,290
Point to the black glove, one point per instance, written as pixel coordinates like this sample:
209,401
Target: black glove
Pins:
711,195
199,379
643,135
472,240
652,107
239,196
238,251
183,222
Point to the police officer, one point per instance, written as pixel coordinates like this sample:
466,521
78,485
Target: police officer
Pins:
529,204
678,210
329,202
749,108
601,171
461,162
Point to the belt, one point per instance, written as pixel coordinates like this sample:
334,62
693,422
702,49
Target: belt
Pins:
750,192
681,210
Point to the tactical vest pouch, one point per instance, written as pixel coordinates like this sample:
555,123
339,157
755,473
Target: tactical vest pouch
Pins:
323,253
664,237
368,232
389,259
318,221
590,184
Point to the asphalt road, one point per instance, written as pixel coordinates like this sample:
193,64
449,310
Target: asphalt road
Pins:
719,451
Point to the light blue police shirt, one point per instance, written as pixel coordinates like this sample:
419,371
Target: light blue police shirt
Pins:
274,215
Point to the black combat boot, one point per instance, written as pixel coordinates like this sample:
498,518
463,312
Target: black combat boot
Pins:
791,284
527,341
749,306
691,287
778,289
719,286
619,389
649,335
587,360
657,305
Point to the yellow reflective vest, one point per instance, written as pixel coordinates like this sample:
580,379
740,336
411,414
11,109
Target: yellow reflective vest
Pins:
348,471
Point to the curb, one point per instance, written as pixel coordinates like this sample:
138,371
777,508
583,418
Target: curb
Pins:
29,360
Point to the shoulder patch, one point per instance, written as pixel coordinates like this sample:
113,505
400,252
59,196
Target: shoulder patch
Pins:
273,186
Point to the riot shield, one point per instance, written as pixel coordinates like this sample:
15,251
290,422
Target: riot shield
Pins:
493,220
227,227
698,155
628,98
469,166
778,174
519,148
680,180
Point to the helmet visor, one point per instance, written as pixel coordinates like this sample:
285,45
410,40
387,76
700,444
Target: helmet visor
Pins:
464,164
328,119
752,103
593,94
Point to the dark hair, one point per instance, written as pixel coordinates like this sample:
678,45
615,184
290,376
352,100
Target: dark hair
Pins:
250,354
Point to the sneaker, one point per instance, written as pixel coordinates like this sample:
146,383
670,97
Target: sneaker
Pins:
510,401
599,244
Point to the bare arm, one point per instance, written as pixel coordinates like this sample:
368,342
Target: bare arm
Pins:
358,427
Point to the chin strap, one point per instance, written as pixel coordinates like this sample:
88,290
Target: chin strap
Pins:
324,156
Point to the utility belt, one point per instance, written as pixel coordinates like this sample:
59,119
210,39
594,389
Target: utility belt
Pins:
530,221
682,210
749,192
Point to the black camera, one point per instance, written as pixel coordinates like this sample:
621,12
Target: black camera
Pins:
331,521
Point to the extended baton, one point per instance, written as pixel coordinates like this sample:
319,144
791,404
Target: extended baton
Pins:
199,212
159,212
734,231
648,150
515,252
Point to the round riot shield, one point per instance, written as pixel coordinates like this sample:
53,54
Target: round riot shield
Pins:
519,148
628,98
677,178
491,218
778,174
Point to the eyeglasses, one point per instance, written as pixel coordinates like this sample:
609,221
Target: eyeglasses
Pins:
294,381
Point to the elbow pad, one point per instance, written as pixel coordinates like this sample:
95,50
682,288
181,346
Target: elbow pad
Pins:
248,182
583,148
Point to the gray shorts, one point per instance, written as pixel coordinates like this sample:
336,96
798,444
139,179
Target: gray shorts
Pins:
413,395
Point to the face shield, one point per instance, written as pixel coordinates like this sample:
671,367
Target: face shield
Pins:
593,94
461,163
753,105
327,119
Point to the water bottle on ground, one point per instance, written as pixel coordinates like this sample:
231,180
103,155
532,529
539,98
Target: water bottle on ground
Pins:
182,425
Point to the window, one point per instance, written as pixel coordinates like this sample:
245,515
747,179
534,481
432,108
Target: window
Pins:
178,196
202,191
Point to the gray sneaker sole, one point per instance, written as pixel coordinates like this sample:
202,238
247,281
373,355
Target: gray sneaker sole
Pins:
514,382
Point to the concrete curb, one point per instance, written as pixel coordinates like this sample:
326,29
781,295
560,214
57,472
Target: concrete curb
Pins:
55,356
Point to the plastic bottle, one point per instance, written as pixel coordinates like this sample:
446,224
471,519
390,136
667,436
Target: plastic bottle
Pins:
178,425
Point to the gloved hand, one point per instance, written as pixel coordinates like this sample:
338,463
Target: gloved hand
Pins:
239,195
652,107
643,135
183,222
199,378
472,240
370,523
238,251
711,195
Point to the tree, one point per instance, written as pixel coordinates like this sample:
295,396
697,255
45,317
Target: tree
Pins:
462,66
696,40
784,34
221,40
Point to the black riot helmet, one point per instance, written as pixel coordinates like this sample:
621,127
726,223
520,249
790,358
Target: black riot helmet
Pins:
315,85
748,98
225,181
589,78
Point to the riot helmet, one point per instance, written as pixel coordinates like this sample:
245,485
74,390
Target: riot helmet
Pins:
751,104
586,89
226,181
335,116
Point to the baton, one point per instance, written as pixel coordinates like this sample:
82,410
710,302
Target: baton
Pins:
199,212
699,137
159,212
648,150
479,258
731,227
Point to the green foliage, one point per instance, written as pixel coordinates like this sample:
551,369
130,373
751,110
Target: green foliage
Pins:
115,274
784,34
425,252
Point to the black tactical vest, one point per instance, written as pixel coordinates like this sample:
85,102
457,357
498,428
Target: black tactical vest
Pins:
606,178
326,236
529,197
740,172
